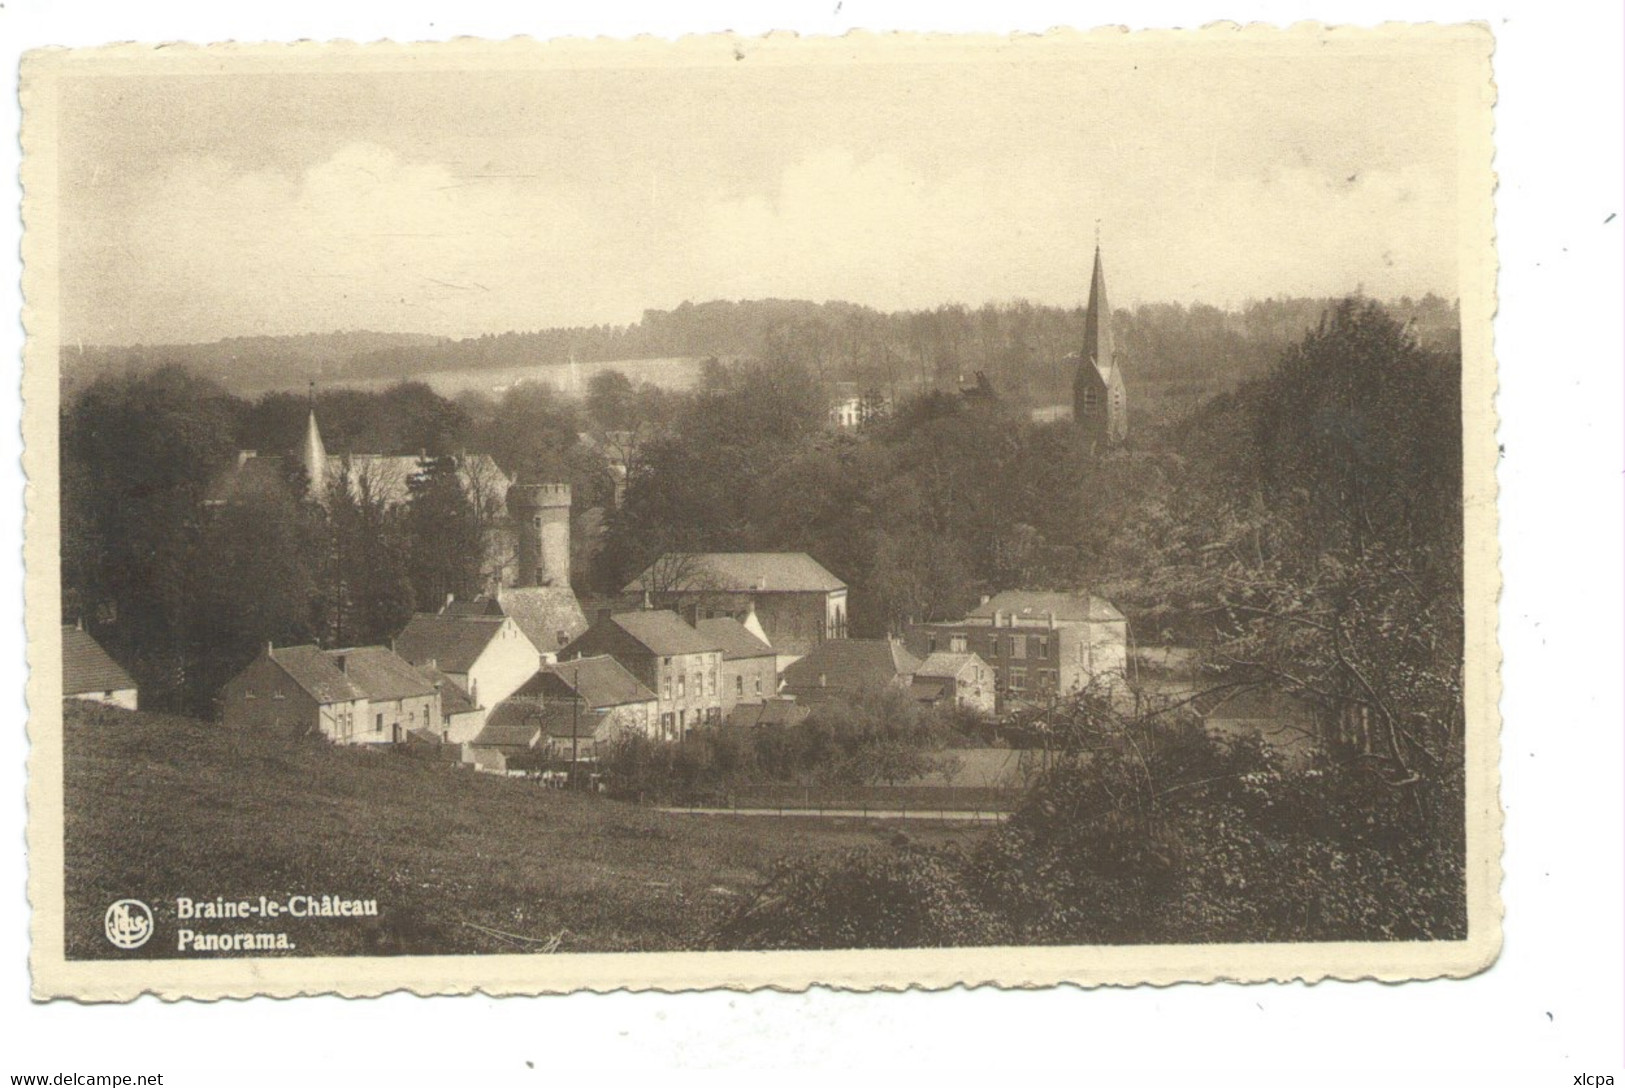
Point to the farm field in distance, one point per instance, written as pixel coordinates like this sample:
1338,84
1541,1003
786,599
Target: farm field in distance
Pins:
161,807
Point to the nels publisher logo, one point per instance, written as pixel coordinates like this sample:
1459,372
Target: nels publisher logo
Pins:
128,923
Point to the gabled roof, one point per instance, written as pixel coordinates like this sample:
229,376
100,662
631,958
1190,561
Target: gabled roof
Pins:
851,664
542,612
453,699
381,674
452,642
86,667
737,572
601,681
1035,605
387,478
929,689
947,665
317,674
516,730
737,643
664,633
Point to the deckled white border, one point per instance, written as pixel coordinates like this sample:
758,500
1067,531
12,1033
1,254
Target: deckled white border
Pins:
1020,967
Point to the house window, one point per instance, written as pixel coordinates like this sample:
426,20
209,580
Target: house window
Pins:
931,644
739,685
665,725
993,645
711,682
1018,679
1090,398
1018,646
665,687
956,644
682,685
1043,647
379,727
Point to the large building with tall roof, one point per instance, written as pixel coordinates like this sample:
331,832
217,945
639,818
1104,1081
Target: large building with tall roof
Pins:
795,599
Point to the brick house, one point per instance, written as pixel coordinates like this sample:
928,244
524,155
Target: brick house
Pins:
669,657
362,695
750,666
1040,645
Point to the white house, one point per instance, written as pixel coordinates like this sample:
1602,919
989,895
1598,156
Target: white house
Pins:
488,657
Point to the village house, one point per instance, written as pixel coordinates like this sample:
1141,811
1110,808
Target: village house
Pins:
962,680
798,603
1040,645
510,746
849,667
360,695
88,672
460,719
750,666
669,657
581,707
486,656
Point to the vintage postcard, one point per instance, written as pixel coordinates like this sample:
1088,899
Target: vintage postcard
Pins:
870,512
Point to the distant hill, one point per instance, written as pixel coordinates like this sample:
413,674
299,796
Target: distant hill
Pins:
1022,347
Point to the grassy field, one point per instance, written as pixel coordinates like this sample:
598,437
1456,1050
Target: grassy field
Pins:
161,807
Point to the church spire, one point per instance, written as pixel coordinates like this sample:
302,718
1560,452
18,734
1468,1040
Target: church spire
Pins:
1097,320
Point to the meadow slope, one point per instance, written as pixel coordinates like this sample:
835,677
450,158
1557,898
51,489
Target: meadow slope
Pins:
162,807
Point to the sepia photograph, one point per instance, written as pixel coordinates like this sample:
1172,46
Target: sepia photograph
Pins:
925,509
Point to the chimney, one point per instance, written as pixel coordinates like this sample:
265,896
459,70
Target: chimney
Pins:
986,598
343,662
268,648
603,615
449,598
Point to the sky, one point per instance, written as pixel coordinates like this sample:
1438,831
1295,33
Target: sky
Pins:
456,203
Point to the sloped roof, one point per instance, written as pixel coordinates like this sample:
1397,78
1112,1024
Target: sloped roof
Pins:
86,667
738,572
851,664
1035,605
664,632
565,722
928,689
453,643
542,612
515,730
381,674
387,477
601,681
947,665
736,642
317,674
453,699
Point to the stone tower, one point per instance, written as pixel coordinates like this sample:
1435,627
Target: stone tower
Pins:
542,514
1099,400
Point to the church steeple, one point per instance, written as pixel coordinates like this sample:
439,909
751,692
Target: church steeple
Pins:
1097,320
314,455
1099,399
